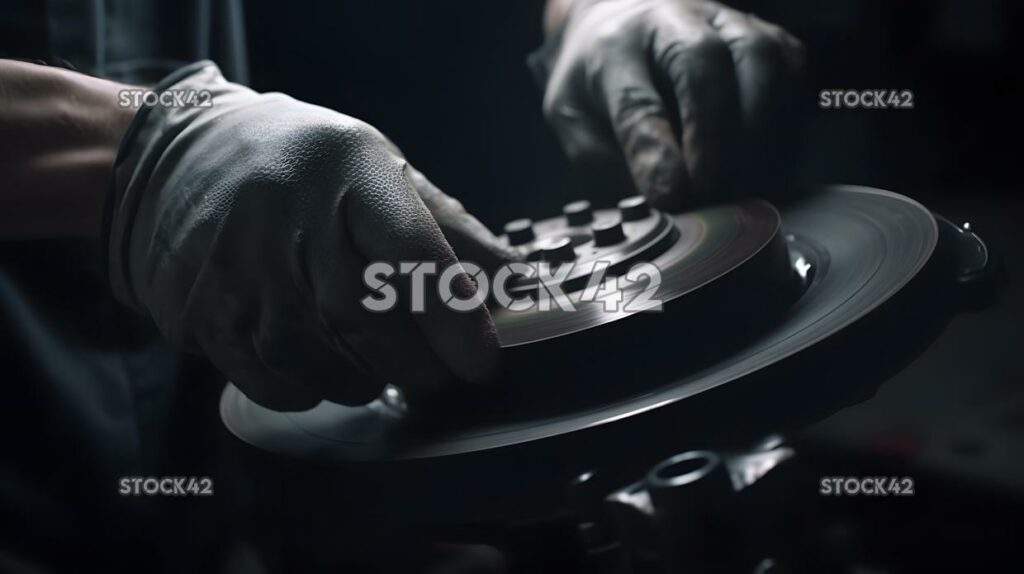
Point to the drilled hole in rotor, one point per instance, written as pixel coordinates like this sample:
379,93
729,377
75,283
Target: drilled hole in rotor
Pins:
685,468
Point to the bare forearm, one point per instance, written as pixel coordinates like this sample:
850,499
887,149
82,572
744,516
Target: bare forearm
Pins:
554,14
59,132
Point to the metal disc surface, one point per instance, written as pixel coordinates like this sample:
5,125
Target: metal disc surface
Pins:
855,246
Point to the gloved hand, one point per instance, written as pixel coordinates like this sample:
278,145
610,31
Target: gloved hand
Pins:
694,95
244,229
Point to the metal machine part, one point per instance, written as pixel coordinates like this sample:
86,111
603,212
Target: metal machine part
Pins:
696,511
850,248
691,251
864,273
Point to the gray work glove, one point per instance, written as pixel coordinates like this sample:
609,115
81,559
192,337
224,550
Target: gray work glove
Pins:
698,98
244,229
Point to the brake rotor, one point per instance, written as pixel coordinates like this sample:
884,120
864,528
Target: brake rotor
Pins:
760,292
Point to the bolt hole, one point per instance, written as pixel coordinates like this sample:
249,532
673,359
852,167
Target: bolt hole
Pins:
684,468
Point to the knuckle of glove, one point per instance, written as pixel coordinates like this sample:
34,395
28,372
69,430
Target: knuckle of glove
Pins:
762,47
241,209
705,50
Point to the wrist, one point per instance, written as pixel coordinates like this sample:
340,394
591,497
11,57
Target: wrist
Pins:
92,106
555,13
61,131
541,60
